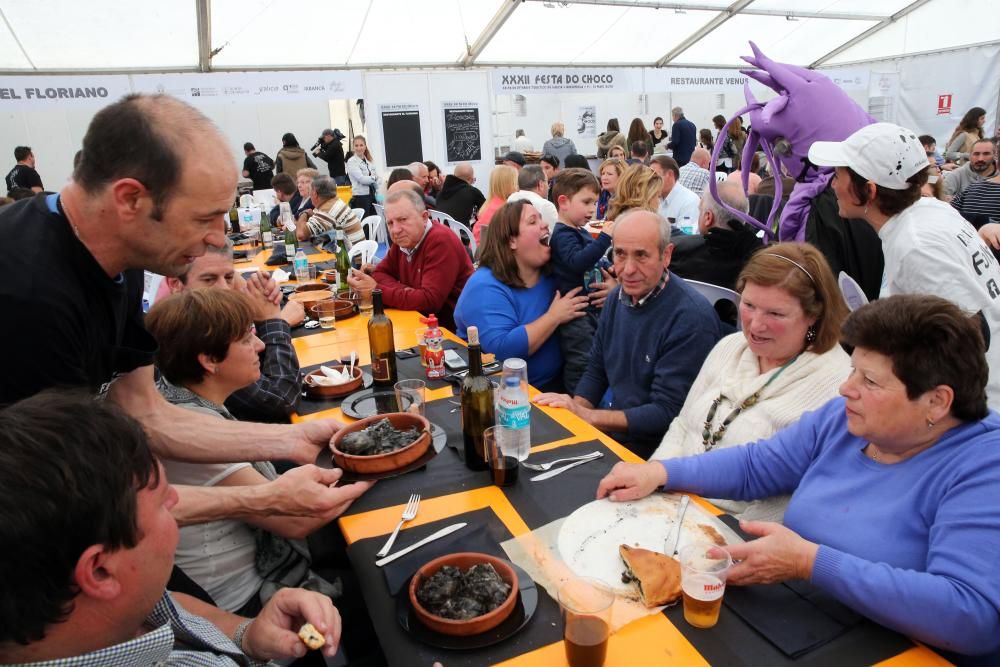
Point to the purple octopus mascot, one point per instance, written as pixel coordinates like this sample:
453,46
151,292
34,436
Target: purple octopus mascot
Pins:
809,107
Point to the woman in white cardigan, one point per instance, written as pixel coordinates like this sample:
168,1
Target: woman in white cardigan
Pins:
364,178
786,361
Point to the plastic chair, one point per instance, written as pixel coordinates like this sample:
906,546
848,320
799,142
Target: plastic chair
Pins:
853,294
376,232
714,294
366,249
359,213
265,197
379,210
457,227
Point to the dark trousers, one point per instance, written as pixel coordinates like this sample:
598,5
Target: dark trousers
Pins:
575,339
365,202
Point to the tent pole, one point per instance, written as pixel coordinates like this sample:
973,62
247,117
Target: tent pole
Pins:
204,35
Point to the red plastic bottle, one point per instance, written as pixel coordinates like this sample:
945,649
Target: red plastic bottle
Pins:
434,350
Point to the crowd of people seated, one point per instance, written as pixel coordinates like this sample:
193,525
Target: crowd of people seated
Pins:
173,521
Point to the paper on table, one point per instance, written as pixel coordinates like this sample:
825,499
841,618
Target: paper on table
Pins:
537,553
280,276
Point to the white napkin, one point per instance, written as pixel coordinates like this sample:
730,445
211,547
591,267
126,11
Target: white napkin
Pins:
331,377
280,276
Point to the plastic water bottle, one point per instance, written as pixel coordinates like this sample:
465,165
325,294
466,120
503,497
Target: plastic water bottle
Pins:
513,418
687,225
301,266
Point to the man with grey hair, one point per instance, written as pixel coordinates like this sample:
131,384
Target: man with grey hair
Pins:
654,333
534,187
426,267
458,196
683,135
422,176
723,244
328,213
272,398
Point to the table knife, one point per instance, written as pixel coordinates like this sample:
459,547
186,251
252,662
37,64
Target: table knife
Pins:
680,523
427,540
557,471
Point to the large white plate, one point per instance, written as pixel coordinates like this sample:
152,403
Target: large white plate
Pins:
589,537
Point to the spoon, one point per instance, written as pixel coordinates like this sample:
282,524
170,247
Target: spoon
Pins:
350,370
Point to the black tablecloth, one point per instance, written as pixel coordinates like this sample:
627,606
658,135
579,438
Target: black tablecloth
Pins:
484,533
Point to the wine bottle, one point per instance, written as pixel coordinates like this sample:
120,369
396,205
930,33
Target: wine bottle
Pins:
382,345
290,243
477,406
343,262
266,235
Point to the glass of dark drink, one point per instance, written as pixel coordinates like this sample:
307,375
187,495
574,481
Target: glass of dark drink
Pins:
503,464
586,610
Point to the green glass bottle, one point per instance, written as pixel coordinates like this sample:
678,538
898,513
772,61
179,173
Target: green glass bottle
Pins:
382,345
477,406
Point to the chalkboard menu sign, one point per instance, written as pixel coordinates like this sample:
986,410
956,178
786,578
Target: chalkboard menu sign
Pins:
461,131
401,135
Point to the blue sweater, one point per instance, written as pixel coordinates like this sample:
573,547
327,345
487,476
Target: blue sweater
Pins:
913,545
574,253
501,313
649,356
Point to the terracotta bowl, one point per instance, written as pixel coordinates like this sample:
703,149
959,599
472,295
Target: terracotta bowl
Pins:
341,310
311,297
380,463
322,391
472,626
311,287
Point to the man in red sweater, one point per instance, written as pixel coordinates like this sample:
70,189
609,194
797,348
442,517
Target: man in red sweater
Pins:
427,265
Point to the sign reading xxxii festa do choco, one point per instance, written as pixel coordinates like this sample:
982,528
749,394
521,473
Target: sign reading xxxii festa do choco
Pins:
565,80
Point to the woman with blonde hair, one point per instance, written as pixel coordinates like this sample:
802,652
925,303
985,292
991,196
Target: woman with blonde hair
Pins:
611,170
639,187
784,362
503,183
559,145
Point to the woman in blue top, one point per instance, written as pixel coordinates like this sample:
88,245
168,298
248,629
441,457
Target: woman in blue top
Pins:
895,510
513,300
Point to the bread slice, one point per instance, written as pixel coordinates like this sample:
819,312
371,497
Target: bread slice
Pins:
311,637
658,576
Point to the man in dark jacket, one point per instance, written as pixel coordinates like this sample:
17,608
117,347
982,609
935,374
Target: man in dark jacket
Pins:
716,254
329,149
458,196
258,167
682,137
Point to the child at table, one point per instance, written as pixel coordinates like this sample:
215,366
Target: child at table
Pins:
578,262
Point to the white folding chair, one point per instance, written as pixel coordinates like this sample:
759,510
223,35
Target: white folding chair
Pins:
366,249
715,294
359,213
854,296
375,230
457,227
265,197
379,210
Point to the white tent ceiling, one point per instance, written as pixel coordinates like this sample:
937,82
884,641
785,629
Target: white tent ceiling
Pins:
40,36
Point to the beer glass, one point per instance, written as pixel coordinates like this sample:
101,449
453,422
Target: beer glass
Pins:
703,581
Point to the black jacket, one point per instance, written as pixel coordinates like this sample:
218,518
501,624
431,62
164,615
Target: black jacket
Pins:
457,198
333,154
716,258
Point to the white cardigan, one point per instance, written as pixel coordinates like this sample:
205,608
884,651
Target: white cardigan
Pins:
732,369
362,174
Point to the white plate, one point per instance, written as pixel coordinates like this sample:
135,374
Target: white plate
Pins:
589,537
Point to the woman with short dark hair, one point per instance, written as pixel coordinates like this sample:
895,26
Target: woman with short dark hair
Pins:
656,135
895,511
512,299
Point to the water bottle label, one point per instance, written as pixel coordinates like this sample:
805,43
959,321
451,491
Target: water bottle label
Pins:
268,237
516,416
289,250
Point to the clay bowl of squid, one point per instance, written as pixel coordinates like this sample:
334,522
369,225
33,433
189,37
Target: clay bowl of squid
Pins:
381,462
476,624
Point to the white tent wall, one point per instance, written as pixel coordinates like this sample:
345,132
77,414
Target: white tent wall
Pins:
429,91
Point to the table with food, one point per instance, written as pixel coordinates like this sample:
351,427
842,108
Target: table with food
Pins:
482,542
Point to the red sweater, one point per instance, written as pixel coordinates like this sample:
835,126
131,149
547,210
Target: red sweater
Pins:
430,280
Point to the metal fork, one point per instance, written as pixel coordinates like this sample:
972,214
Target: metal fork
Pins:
546,466
409,513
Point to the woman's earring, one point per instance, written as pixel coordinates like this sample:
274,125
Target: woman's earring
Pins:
811,334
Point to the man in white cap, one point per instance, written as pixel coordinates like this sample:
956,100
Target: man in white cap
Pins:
929,248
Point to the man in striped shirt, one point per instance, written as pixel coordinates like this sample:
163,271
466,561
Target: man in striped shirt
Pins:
90,545
980,202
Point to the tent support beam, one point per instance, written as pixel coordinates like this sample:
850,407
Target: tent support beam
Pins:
721,18
204,35
868,33
17,41
694,7
489,32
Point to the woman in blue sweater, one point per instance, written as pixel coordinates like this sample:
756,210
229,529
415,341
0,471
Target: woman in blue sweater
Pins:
513,300
895,510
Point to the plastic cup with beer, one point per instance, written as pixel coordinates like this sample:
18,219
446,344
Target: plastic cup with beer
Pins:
586,604
703,580
421,344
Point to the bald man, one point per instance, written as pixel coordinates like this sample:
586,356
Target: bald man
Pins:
694,175
458,196
655,331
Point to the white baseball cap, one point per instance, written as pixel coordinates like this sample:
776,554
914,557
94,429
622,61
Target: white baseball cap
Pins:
884,153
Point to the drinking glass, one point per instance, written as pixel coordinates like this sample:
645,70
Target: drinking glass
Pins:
411,395
703,582
503,463
585,604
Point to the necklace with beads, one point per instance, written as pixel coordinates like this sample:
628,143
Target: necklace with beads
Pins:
710,438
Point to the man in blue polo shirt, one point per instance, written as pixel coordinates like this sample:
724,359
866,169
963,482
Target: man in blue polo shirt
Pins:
653,336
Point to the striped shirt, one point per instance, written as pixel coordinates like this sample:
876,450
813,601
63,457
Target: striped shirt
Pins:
979,203
175,637
694,178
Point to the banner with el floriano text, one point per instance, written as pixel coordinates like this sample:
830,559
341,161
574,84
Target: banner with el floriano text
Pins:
33,92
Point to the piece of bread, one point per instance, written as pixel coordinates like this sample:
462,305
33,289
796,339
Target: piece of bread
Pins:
657,575
311,637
